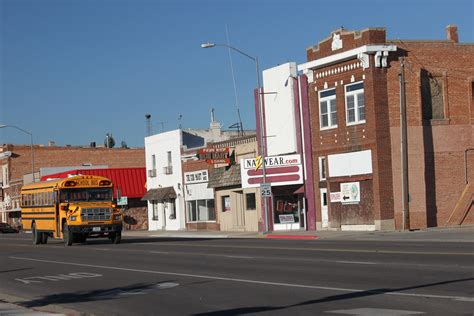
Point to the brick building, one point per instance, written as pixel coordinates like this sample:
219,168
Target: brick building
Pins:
354,104
16,165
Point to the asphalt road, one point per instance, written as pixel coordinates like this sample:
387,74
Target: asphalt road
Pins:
173,276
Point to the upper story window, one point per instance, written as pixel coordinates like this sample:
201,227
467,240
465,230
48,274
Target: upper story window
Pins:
170,161
432,95
152,171
327,109
322,168
169,168
153,162
355,103
5,176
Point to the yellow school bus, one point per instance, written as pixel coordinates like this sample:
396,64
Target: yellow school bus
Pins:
73,209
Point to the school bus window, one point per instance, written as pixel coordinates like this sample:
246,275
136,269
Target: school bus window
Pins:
86,195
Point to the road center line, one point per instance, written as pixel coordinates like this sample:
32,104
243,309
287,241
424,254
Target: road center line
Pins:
355,262
210,277
316,249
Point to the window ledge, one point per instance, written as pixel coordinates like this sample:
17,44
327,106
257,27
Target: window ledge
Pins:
327,128
355,123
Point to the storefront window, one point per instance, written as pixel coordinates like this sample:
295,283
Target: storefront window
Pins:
286,209
201,211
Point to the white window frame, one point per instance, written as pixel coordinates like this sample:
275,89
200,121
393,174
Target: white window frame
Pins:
355,94
5,176
322,165
327,99
207,202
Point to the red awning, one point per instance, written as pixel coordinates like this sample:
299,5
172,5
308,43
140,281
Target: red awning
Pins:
130,181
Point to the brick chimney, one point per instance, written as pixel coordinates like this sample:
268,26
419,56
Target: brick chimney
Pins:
452,33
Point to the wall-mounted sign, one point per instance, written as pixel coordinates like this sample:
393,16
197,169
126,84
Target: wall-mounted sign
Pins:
350,192
215,155
123,200
279,170
335,197
196,177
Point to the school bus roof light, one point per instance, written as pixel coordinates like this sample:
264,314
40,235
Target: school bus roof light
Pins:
104,182
70,184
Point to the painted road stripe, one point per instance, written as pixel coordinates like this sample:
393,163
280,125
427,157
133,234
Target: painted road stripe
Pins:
398,264
210,277
297,249
238,257
354,262
374,312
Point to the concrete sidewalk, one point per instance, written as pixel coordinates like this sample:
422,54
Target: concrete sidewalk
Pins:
454,234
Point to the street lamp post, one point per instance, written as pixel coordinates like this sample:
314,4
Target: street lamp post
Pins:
31,146
260,114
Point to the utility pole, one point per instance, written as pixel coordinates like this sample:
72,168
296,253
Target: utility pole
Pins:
404,147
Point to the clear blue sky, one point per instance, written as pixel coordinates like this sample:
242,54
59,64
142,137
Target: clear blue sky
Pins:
74,70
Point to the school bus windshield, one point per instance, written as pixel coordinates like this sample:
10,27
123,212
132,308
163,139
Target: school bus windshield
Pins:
86,195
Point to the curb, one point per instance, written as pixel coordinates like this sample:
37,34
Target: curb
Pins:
190,236
292,237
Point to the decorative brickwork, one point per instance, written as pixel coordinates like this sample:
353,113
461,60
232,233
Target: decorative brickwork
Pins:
439,82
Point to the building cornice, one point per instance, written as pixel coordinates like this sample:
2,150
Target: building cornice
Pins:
344,56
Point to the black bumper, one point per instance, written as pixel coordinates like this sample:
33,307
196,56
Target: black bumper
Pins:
94,229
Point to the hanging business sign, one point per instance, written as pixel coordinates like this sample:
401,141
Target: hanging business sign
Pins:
215,155
279,170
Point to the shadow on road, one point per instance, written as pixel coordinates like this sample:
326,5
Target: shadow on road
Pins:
14,270
259,309
95,295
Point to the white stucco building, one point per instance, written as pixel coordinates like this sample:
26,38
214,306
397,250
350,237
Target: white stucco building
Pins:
165,195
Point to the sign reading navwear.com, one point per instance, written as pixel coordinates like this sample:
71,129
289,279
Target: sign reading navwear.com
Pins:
279,170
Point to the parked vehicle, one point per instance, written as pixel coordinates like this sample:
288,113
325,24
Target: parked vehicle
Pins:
6,228
73,209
